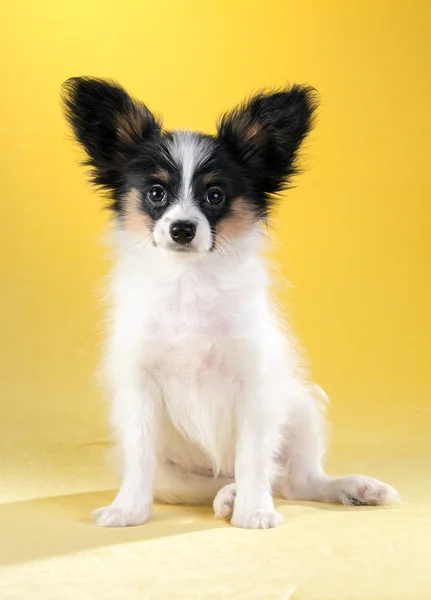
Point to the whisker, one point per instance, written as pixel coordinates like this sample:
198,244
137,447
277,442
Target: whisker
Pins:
224,238
229,241
222,249
135,244
141,252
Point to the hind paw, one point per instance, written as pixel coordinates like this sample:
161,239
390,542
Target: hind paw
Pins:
359,490
224,502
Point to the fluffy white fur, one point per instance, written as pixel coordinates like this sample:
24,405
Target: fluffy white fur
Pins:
208,400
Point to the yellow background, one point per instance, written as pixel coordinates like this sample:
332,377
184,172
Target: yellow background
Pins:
355,236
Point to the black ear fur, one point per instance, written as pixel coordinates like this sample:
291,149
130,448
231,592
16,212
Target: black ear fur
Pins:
108,123
266,132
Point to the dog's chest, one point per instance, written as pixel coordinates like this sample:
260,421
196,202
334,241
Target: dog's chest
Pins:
199,333
194,341
193,324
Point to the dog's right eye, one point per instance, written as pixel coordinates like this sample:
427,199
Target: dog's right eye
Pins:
157,194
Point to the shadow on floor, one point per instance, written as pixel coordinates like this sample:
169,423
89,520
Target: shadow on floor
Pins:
61,525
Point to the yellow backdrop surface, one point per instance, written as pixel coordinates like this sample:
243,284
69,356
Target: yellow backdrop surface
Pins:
355,243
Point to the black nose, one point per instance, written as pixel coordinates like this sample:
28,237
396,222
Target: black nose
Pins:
182,232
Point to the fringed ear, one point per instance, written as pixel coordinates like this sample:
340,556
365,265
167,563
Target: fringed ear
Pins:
266,133
108,123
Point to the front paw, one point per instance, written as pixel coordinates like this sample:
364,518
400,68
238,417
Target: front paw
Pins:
261,518
116,516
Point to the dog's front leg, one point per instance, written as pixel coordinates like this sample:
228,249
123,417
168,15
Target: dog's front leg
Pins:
135,419
257,440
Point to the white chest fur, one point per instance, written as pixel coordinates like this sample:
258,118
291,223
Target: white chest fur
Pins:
201,330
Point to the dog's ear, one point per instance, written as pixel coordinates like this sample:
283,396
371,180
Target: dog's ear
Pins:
108,123
266,132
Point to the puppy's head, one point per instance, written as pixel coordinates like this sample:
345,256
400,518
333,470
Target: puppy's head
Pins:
188,192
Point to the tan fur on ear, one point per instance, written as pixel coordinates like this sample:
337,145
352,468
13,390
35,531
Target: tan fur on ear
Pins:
252,130
237,223
132,123
134,218
247,128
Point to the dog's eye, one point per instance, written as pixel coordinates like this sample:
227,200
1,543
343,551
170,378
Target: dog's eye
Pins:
214,196
157,194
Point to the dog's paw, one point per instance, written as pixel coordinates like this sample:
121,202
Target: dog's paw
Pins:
359,490
224,502
261,518
113,516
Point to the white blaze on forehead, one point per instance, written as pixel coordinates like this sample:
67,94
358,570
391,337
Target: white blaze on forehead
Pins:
189,151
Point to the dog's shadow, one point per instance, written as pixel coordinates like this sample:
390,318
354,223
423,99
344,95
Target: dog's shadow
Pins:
62,525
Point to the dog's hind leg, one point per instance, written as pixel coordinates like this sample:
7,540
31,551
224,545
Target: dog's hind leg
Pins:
302,476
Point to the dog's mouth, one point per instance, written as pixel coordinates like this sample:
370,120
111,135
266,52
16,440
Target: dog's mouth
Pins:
190,250
183,249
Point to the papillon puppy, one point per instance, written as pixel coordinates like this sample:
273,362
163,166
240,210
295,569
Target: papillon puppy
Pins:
210,403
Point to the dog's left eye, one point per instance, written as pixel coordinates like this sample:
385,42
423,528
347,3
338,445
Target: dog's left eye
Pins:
214,196
157,194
